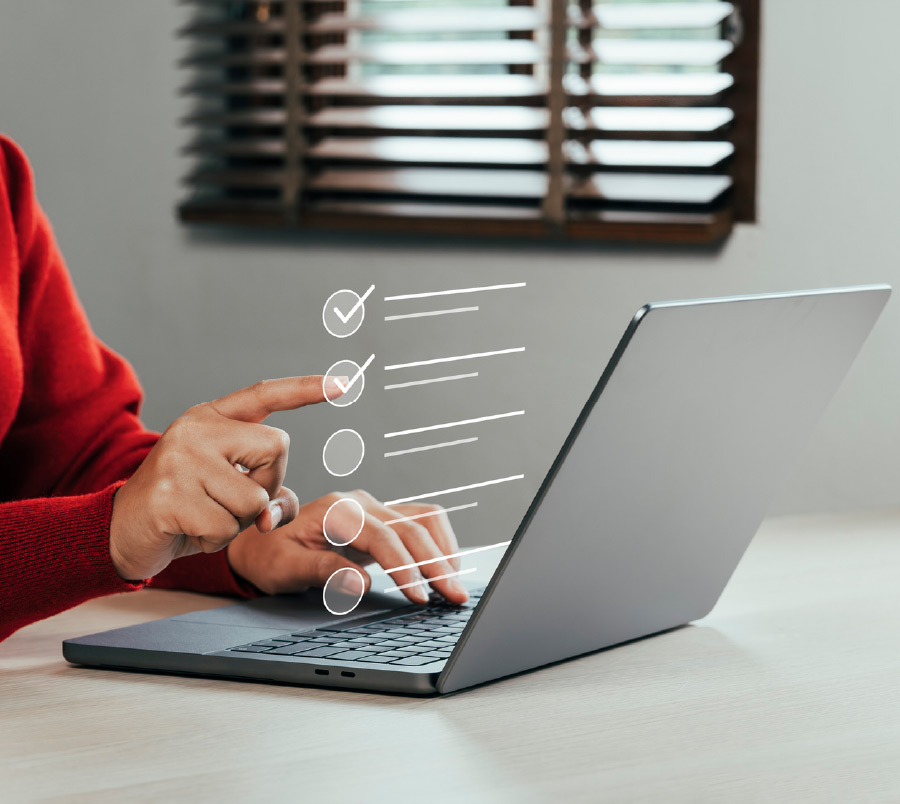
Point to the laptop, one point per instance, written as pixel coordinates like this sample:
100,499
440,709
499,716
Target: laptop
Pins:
636,528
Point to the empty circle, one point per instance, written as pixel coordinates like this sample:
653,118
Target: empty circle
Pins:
343,590
337,316
343,452
343,521
350,370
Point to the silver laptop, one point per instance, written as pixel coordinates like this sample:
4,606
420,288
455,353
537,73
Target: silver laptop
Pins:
638,525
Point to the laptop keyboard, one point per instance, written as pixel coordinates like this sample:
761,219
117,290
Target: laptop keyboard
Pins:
421,637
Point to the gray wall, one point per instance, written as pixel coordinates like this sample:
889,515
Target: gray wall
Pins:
89,89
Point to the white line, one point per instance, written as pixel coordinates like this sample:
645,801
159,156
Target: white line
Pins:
426,382
452,491
454,555
452,359
431,312
430,513
451,292
431,580
455,424
430,446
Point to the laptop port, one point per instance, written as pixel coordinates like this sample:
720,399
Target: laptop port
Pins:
348,674
321,672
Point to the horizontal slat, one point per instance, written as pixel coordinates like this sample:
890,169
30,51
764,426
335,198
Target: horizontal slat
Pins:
255,87
216,58
651,85
630,16
648,154
518,152
243,146
239,178
508,51
432,150
512,18
521,184
434,182
650,188
431,118
647,119
523,119
219,28
243,117
652,52
414,87
430,209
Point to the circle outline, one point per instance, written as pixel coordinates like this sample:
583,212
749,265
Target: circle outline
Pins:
330,373
325,449
361,596
328,304
361,524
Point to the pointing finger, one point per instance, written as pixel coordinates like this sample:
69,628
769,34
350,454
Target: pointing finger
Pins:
256,402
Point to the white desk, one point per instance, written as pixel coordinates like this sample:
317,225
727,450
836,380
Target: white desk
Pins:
789,691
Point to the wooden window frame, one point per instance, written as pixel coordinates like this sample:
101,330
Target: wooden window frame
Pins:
737,205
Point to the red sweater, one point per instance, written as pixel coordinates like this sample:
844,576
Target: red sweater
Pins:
69,430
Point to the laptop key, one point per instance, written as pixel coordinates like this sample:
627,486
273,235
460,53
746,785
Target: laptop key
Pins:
272,643
290,650
376,659
319,653
412,661
351,655
251,649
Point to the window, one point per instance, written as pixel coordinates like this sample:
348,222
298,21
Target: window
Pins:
601,119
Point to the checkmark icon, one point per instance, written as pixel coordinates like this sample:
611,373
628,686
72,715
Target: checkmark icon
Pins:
362,299
359,373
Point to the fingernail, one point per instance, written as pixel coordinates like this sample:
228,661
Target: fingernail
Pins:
459,589
275,514
349,583
419,593
331,384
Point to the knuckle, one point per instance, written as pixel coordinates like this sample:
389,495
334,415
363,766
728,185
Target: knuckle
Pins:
279,442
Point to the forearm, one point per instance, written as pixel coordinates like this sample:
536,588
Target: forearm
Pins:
54,554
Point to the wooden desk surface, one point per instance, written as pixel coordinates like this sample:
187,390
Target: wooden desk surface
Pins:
788,691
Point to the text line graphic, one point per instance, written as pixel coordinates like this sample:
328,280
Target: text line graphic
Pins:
428,494
430,513
430,446
430,580
452,555
430,313
453,358
453,292
428,382
460,423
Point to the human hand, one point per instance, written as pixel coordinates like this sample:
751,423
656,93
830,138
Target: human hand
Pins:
299,556
214,472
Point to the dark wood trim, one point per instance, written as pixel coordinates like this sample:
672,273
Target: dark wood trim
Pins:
712,231
743,98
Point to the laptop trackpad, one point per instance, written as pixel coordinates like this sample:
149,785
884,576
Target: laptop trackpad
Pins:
290,612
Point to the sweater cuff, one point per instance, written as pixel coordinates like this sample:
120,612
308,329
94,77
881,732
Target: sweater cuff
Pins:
209,573
55,556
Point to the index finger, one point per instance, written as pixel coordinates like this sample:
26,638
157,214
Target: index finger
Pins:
257,401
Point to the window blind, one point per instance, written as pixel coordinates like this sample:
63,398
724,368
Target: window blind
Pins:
598,119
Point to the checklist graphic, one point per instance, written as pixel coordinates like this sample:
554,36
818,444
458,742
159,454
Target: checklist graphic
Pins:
344,450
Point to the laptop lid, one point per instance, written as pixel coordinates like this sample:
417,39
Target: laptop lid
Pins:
665,476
